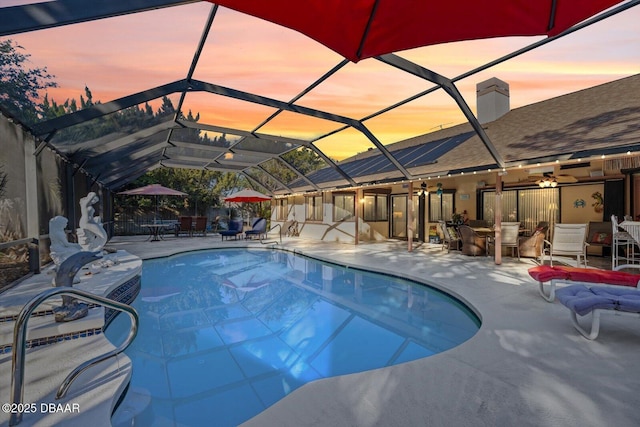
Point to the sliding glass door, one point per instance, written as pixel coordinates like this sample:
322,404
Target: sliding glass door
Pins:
400,216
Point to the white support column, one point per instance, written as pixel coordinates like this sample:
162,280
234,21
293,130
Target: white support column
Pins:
358,212
498,220
410,217
31,187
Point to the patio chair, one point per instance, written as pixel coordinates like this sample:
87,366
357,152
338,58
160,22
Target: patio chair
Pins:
184,226
568,240
532,246
510,237
450,237
621,241
235,228
200,225
472,242
259,228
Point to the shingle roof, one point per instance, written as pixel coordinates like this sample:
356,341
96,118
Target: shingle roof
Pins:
586,122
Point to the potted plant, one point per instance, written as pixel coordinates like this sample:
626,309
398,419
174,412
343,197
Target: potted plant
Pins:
456,218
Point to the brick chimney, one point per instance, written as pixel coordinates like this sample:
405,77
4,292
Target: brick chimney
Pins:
492,99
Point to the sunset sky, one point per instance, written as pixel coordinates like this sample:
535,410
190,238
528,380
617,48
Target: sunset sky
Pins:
123,55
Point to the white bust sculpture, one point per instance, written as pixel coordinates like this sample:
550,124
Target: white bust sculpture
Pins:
60,248
91,235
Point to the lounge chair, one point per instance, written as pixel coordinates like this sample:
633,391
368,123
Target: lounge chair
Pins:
568,240
582,300
184,225
200,225
259,228
235,228
583,276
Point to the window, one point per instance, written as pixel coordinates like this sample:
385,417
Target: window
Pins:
440,206
282,209
529,206
376,207
314,208
344,206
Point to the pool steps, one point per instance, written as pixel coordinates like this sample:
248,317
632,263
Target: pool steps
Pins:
55,349
43,329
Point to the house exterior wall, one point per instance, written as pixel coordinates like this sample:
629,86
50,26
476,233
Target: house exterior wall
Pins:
466,198
325,229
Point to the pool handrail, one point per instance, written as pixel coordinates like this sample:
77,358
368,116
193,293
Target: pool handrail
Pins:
268,242
20,339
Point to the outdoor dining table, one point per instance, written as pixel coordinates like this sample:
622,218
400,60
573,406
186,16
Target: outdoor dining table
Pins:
154,231
490,233
487,233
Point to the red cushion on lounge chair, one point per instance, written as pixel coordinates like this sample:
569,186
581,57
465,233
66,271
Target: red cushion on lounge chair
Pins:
591,275
544,273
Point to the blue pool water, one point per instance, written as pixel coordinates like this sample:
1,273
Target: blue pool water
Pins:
226,333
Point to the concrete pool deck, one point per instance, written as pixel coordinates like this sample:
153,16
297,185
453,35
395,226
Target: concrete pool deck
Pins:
527,365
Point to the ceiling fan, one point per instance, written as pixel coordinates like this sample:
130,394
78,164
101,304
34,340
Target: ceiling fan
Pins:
549,180
424,188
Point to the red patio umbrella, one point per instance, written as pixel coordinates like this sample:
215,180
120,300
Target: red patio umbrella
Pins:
247,196
358,29
153,190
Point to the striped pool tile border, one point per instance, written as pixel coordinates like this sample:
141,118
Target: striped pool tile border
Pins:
125,293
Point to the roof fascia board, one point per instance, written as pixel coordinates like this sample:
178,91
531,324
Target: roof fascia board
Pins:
40,16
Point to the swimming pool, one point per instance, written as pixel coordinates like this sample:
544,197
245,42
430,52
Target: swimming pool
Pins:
224,334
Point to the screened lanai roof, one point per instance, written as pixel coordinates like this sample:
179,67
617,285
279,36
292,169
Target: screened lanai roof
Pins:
194,84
